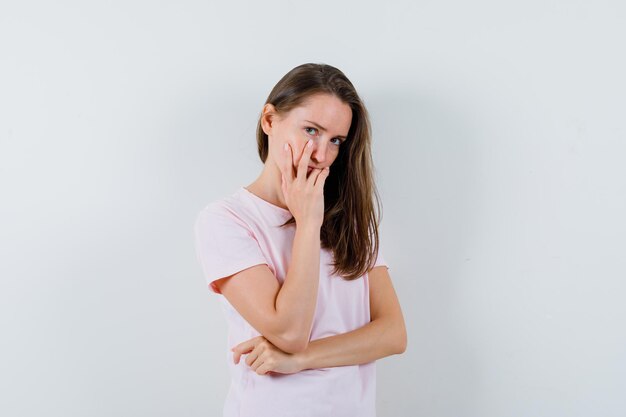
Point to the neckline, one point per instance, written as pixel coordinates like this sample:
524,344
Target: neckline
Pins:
267,203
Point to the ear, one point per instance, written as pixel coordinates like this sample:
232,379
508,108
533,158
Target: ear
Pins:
267,118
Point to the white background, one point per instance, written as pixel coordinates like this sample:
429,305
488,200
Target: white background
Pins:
499,145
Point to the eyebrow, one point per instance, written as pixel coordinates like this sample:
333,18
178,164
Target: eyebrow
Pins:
323,128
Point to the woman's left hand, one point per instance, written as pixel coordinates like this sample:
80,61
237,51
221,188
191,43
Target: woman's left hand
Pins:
265,358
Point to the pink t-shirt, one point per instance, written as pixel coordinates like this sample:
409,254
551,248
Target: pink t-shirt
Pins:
240,231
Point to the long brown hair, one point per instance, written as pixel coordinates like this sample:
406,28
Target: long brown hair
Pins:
350,226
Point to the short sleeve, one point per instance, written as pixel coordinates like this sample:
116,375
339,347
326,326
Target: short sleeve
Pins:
380,260
225,245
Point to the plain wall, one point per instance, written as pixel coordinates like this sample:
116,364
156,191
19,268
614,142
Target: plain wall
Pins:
499,145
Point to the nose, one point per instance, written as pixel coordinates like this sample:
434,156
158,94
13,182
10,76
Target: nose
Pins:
319,152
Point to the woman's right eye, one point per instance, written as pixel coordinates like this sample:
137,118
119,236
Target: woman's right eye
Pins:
306,128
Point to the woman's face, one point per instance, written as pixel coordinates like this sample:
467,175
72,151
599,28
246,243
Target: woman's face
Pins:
324,118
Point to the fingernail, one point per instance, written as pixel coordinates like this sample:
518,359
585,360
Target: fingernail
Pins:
309,143
285,147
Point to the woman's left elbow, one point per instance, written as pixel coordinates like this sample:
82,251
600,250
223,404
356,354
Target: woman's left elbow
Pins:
402,342
401,348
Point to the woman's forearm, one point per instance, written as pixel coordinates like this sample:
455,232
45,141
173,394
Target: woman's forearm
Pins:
297,298
375,340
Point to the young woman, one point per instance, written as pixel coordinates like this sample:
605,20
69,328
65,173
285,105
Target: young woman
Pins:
305,289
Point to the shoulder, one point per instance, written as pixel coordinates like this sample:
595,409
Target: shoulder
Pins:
233,213
220,213
230,206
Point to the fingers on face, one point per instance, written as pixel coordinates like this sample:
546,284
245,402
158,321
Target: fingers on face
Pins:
304,161
303,165
321,177
287,166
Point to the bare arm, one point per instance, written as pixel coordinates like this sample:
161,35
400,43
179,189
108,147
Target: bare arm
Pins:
384,335
282,314
297,298
376,340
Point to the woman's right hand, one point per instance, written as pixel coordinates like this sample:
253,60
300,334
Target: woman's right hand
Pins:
304,196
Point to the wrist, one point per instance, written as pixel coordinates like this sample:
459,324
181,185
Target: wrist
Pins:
302,360
309,229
